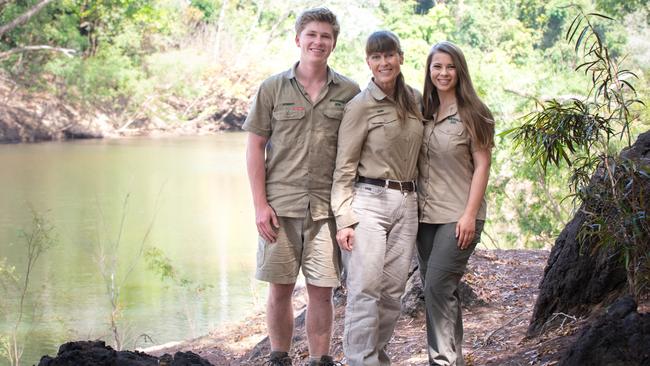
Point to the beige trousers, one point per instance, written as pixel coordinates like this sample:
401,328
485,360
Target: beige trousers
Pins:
377,270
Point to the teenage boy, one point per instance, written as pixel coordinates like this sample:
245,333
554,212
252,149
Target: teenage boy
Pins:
293,128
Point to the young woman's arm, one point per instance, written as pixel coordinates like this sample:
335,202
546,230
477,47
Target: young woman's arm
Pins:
466,226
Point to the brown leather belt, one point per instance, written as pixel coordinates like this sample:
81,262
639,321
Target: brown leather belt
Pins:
408,186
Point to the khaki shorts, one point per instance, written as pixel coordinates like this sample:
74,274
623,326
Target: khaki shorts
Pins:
301,243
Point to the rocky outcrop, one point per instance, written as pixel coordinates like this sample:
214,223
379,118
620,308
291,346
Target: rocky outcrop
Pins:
574,280
96,353
619,337
579,276
413,299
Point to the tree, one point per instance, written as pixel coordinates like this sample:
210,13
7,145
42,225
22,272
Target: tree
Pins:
24,18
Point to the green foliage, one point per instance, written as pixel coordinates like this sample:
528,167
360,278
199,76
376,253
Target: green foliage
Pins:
17,288
581,134
160,264
619,8
192,292
616,205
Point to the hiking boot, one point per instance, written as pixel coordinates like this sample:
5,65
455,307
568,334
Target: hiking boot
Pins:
325,361
278,359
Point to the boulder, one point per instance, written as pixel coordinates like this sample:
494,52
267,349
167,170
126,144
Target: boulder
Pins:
96,353
581,276
620,337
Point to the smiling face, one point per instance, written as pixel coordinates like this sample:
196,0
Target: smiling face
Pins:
385,67
316,42
443,72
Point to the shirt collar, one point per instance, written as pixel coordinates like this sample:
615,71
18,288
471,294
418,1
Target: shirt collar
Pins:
332,77
376,91
451,111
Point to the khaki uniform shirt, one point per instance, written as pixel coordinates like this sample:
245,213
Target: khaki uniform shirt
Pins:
301,150
373,143
446,170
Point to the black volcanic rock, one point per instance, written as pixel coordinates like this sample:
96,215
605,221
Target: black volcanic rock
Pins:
97,353
620,337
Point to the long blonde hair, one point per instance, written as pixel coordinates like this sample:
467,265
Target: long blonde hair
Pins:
473,112
385,41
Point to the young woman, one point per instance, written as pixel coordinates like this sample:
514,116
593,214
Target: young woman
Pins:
454,166
374,200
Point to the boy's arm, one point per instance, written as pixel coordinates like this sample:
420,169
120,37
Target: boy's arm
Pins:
264,214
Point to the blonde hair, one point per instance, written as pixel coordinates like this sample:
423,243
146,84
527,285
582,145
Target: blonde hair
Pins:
473,112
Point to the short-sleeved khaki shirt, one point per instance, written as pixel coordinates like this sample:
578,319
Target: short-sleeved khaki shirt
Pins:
373,143
446,169
301,150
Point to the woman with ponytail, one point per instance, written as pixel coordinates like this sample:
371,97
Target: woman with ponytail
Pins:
374,200
454,166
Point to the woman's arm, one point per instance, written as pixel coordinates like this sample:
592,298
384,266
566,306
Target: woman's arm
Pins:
353,131
466,226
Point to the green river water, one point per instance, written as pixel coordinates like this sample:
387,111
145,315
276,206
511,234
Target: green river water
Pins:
196,192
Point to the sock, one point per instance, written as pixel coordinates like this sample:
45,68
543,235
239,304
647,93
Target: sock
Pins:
314,358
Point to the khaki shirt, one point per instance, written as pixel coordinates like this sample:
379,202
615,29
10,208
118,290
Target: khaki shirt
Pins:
373,144
301,150
446,170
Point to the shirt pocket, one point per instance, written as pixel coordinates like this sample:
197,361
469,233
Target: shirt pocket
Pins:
288,114
452,128
286,124
331,121
452,135
387,123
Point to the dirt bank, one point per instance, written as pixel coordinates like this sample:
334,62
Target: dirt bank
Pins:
505,280
37,116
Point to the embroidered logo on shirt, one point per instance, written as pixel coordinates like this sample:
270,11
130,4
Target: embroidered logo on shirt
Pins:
287,104
298,108
338,102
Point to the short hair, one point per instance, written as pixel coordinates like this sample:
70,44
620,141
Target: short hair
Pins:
323,15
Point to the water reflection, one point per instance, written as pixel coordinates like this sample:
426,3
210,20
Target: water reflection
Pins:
203,222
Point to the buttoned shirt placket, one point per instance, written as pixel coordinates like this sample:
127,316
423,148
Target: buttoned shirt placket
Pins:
311,160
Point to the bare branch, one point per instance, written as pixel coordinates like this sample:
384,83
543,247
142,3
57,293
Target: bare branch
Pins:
66,51
23,18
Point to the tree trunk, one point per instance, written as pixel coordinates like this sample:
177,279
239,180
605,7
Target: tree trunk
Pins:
24,18
217,37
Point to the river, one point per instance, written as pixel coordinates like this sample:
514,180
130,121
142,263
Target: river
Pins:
194,195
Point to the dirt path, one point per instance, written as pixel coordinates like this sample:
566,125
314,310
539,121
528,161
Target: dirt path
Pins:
505,282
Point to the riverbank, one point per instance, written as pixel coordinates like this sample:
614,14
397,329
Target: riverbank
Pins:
505,283
38,116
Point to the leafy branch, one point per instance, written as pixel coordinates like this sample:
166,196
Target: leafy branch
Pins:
612,190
